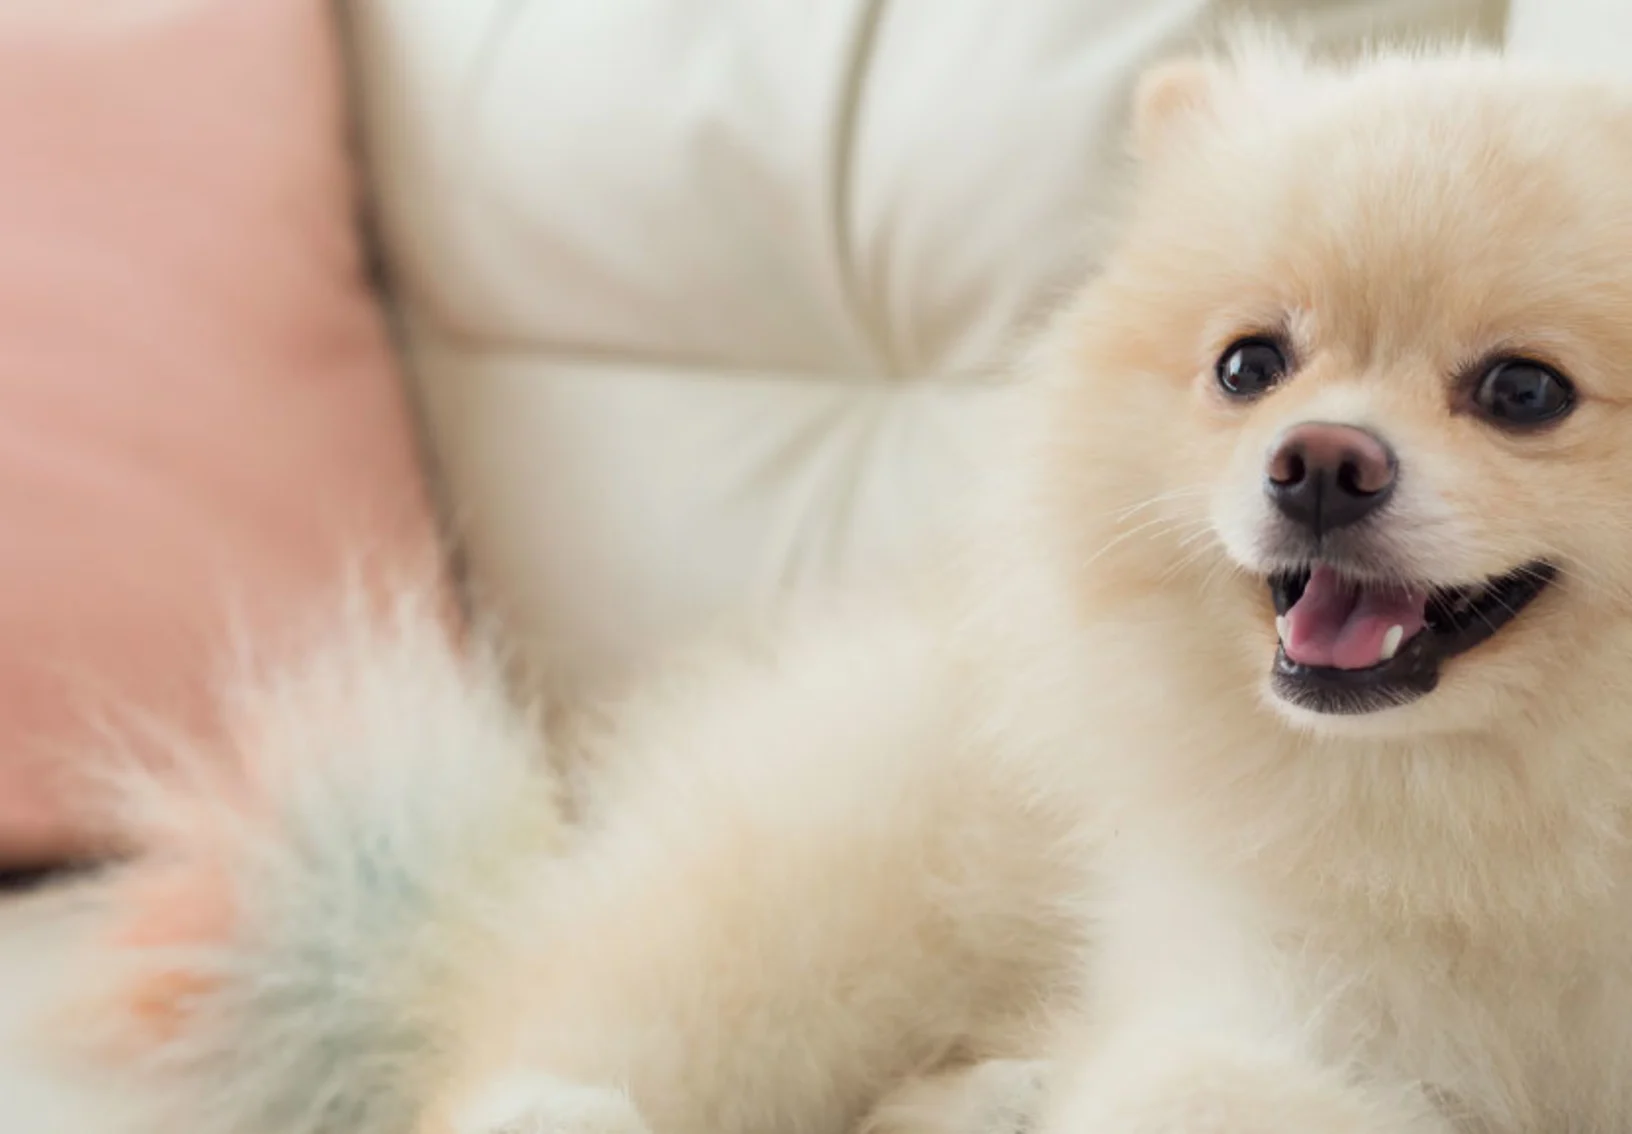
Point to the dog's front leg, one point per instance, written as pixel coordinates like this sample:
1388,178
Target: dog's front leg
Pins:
1213,1010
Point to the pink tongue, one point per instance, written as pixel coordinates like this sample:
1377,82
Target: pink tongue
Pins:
1338,625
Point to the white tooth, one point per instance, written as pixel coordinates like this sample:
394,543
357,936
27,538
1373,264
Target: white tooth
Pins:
1391,642
1280,626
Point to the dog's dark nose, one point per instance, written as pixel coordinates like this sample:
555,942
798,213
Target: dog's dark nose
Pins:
1325,476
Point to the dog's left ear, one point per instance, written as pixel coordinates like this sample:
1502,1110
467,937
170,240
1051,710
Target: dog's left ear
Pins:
1168,95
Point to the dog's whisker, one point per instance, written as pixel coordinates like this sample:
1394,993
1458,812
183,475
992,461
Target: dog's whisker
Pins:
1161,498
1179,566
1162,524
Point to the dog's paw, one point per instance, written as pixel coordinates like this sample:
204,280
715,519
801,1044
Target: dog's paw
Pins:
997,1096
540,1104
1235,1093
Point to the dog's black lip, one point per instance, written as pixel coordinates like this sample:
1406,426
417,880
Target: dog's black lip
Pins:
1414,671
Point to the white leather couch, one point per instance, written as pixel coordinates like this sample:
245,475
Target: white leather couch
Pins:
700,296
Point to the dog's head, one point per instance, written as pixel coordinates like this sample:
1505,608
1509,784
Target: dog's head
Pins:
1357,383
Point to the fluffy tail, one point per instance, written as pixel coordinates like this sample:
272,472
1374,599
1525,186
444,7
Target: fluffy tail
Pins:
295,952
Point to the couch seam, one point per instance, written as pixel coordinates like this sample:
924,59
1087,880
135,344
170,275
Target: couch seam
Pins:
857,69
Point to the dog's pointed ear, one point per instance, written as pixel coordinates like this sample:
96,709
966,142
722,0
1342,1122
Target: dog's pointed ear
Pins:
1168,95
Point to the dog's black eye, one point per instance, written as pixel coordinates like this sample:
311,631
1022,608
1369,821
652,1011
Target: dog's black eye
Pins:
1518,393
1250,367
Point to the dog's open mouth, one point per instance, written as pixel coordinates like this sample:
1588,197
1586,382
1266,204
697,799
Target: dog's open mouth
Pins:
1354,647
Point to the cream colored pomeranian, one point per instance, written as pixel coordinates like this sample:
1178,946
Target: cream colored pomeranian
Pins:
1264,766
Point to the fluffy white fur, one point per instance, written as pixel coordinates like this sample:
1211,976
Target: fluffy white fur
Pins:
1033,846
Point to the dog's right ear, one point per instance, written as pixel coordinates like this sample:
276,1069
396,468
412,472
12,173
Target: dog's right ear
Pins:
1168,95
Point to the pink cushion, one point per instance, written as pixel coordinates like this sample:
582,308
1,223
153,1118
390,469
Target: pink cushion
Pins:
199,415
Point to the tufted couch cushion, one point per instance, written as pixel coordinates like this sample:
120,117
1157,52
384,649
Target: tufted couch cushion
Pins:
703,299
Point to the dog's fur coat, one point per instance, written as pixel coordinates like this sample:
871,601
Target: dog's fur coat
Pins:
1036,845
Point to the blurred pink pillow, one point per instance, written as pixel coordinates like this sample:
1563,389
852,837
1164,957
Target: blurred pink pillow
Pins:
199,415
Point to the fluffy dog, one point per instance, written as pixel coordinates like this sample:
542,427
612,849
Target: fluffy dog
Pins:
1263,764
